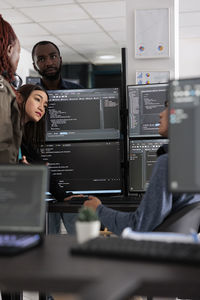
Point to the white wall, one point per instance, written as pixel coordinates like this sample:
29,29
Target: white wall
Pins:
25,65
160,64
189,58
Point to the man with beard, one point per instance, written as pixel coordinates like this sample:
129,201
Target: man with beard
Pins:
48,62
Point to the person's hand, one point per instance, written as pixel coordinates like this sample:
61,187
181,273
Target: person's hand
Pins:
73,196
93,202
24,160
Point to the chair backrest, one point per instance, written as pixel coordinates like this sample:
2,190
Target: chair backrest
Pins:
183,220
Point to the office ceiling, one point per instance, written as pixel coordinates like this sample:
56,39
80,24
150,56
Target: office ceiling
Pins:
84,30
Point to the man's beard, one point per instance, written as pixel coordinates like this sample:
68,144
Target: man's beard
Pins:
53,76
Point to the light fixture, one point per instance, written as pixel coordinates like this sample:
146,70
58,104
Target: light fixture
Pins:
107,56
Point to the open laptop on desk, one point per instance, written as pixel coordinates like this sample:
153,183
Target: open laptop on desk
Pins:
22,207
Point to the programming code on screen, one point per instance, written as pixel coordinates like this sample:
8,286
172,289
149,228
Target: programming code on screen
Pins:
87,114
142,157
85,168
145,104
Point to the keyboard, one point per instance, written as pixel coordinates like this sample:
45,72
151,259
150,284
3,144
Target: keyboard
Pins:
133,249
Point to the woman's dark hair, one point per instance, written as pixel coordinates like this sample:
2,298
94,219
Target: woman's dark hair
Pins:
7,37
34,132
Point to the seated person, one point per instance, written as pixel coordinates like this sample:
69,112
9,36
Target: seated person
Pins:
157,202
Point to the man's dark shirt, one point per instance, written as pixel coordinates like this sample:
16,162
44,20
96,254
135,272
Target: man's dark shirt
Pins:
65,85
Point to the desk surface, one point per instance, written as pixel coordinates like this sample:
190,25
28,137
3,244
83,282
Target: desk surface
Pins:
64,207
51,268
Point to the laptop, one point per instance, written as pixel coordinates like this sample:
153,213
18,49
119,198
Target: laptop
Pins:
22,207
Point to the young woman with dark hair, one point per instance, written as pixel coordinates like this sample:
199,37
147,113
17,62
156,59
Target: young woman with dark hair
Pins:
34,101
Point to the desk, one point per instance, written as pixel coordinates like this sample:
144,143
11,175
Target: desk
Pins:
64,207
51,268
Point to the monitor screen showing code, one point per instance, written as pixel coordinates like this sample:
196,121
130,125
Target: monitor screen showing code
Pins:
86,114
145,104
84,167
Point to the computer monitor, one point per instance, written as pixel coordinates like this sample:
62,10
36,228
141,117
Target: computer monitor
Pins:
32,80
184,134
142,157
85,167
145,102
85,114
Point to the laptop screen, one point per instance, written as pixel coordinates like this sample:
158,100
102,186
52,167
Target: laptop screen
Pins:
22,198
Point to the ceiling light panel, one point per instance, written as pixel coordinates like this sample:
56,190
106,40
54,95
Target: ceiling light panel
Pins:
92,1
113,24
87,39
105,9
72,27
64,50
96,59
119,37
31,41
13,16
100,50
30,29
5,4
55,13
32,3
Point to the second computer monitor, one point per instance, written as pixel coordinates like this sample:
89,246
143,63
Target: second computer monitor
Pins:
85,114
145,103
142,157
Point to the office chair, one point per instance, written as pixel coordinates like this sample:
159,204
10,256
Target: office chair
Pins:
183,220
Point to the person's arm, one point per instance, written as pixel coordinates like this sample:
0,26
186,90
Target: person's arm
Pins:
10,134
154,207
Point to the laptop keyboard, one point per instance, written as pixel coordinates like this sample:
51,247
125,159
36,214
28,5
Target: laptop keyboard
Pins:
146,250
14,240
14,243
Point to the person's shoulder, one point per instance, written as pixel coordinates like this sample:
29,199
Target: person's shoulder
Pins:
162,150
3,83
162,160
70,85
5,87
